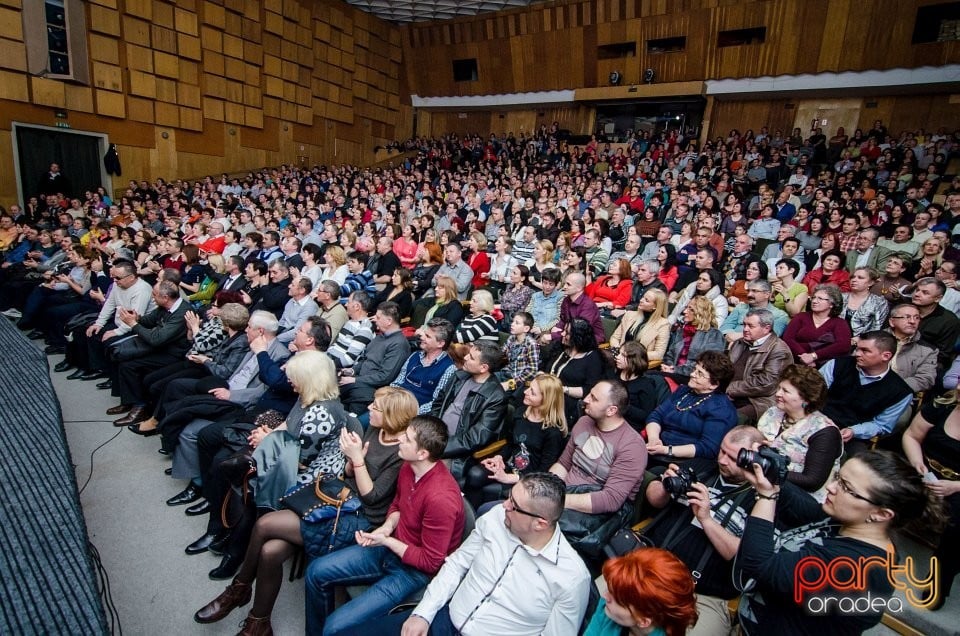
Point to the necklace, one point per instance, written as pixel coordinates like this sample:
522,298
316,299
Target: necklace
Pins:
693,405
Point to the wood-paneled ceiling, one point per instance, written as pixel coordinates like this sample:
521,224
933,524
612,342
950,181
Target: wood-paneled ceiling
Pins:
423,10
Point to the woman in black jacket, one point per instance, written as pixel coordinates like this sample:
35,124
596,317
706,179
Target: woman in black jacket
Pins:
398,291
646,392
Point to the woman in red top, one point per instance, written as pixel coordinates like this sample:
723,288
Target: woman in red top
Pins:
669,273
831,271
613,289
819,335
479,262
406,246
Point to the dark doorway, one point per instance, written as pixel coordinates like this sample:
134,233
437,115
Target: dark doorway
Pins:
79,156
615,119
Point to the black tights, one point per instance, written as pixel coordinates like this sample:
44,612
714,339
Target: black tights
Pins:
275,539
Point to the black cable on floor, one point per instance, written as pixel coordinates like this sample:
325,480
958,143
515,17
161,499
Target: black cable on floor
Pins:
90,474
106,595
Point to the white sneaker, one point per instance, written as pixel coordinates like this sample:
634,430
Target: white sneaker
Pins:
12,313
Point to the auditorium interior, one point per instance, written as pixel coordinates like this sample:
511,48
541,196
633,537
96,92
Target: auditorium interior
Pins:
190,89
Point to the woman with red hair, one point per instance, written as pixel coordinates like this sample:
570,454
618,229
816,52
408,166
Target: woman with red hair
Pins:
649,592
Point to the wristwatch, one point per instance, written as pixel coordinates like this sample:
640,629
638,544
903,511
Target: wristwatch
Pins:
669,451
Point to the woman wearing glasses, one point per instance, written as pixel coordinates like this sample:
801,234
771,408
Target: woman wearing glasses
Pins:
872,495
691,423
372,470
819,335
932,446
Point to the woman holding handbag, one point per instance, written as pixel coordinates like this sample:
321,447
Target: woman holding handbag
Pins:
372,470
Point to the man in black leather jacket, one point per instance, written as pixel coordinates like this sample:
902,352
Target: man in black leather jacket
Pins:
473,406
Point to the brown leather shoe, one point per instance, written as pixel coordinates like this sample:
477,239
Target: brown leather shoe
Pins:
236,595
253,626
118,409
136,414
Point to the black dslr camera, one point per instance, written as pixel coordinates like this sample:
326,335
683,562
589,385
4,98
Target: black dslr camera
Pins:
681,483
773,464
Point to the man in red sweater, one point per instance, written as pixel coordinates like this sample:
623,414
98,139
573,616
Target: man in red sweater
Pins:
424,525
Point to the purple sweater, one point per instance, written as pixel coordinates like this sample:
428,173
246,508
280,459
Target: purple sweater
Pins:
614,460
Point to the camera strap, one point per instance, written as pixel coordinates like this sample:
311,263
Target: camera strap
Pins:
682,526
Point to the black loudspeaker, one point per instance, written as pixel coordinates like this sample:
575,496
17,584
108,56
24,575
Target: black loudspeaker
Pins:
649,75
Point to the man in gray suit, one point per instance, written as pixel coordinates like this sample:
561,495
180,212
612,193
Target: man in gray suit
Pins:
300,307
380,362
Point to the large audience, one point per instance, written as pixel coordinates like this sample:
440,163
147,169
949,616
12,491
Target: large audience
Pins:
576,337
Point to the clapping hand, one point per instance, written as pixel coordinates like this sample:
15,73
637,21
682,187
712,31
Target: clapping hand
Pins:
352,446
127,316
192,320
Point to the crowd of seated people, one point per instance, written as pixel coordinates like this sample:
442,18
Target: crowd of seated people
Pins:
682,303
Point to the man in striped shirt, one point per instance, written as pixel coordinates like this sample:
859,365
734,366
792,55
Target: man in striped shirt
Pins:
355,334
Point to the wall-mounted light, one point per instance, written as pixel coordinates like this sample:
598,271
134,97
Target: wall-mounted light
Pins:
165,134
232,131
60,117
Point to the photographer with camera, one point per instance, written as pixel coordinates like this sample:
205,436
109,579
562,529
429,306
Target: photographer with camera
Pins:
701,521
872,495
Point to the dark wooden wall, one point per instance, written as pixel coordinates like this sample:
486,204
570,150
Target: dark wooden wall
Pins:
554,45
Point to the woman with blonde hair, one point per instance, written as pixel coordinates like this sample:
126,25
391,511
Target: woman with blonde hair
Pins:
480,323
927,260
348,240
335,269
694,335
371,472
535,443
648,325
479,261
446,302
216,268
542,259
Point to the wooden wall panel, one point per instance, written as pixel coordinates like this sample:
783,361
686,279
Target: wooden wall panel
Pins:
578,119
196,68
901,112
753,114
550,46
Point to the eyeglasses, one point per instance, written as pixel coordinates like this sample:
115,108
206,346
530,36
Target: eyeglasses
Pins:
822,299
375,407
699,373
516,508
845,487
119,278
911,318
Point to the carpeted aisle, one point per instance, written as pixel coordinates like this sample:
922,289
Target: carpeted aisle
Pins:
48,581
